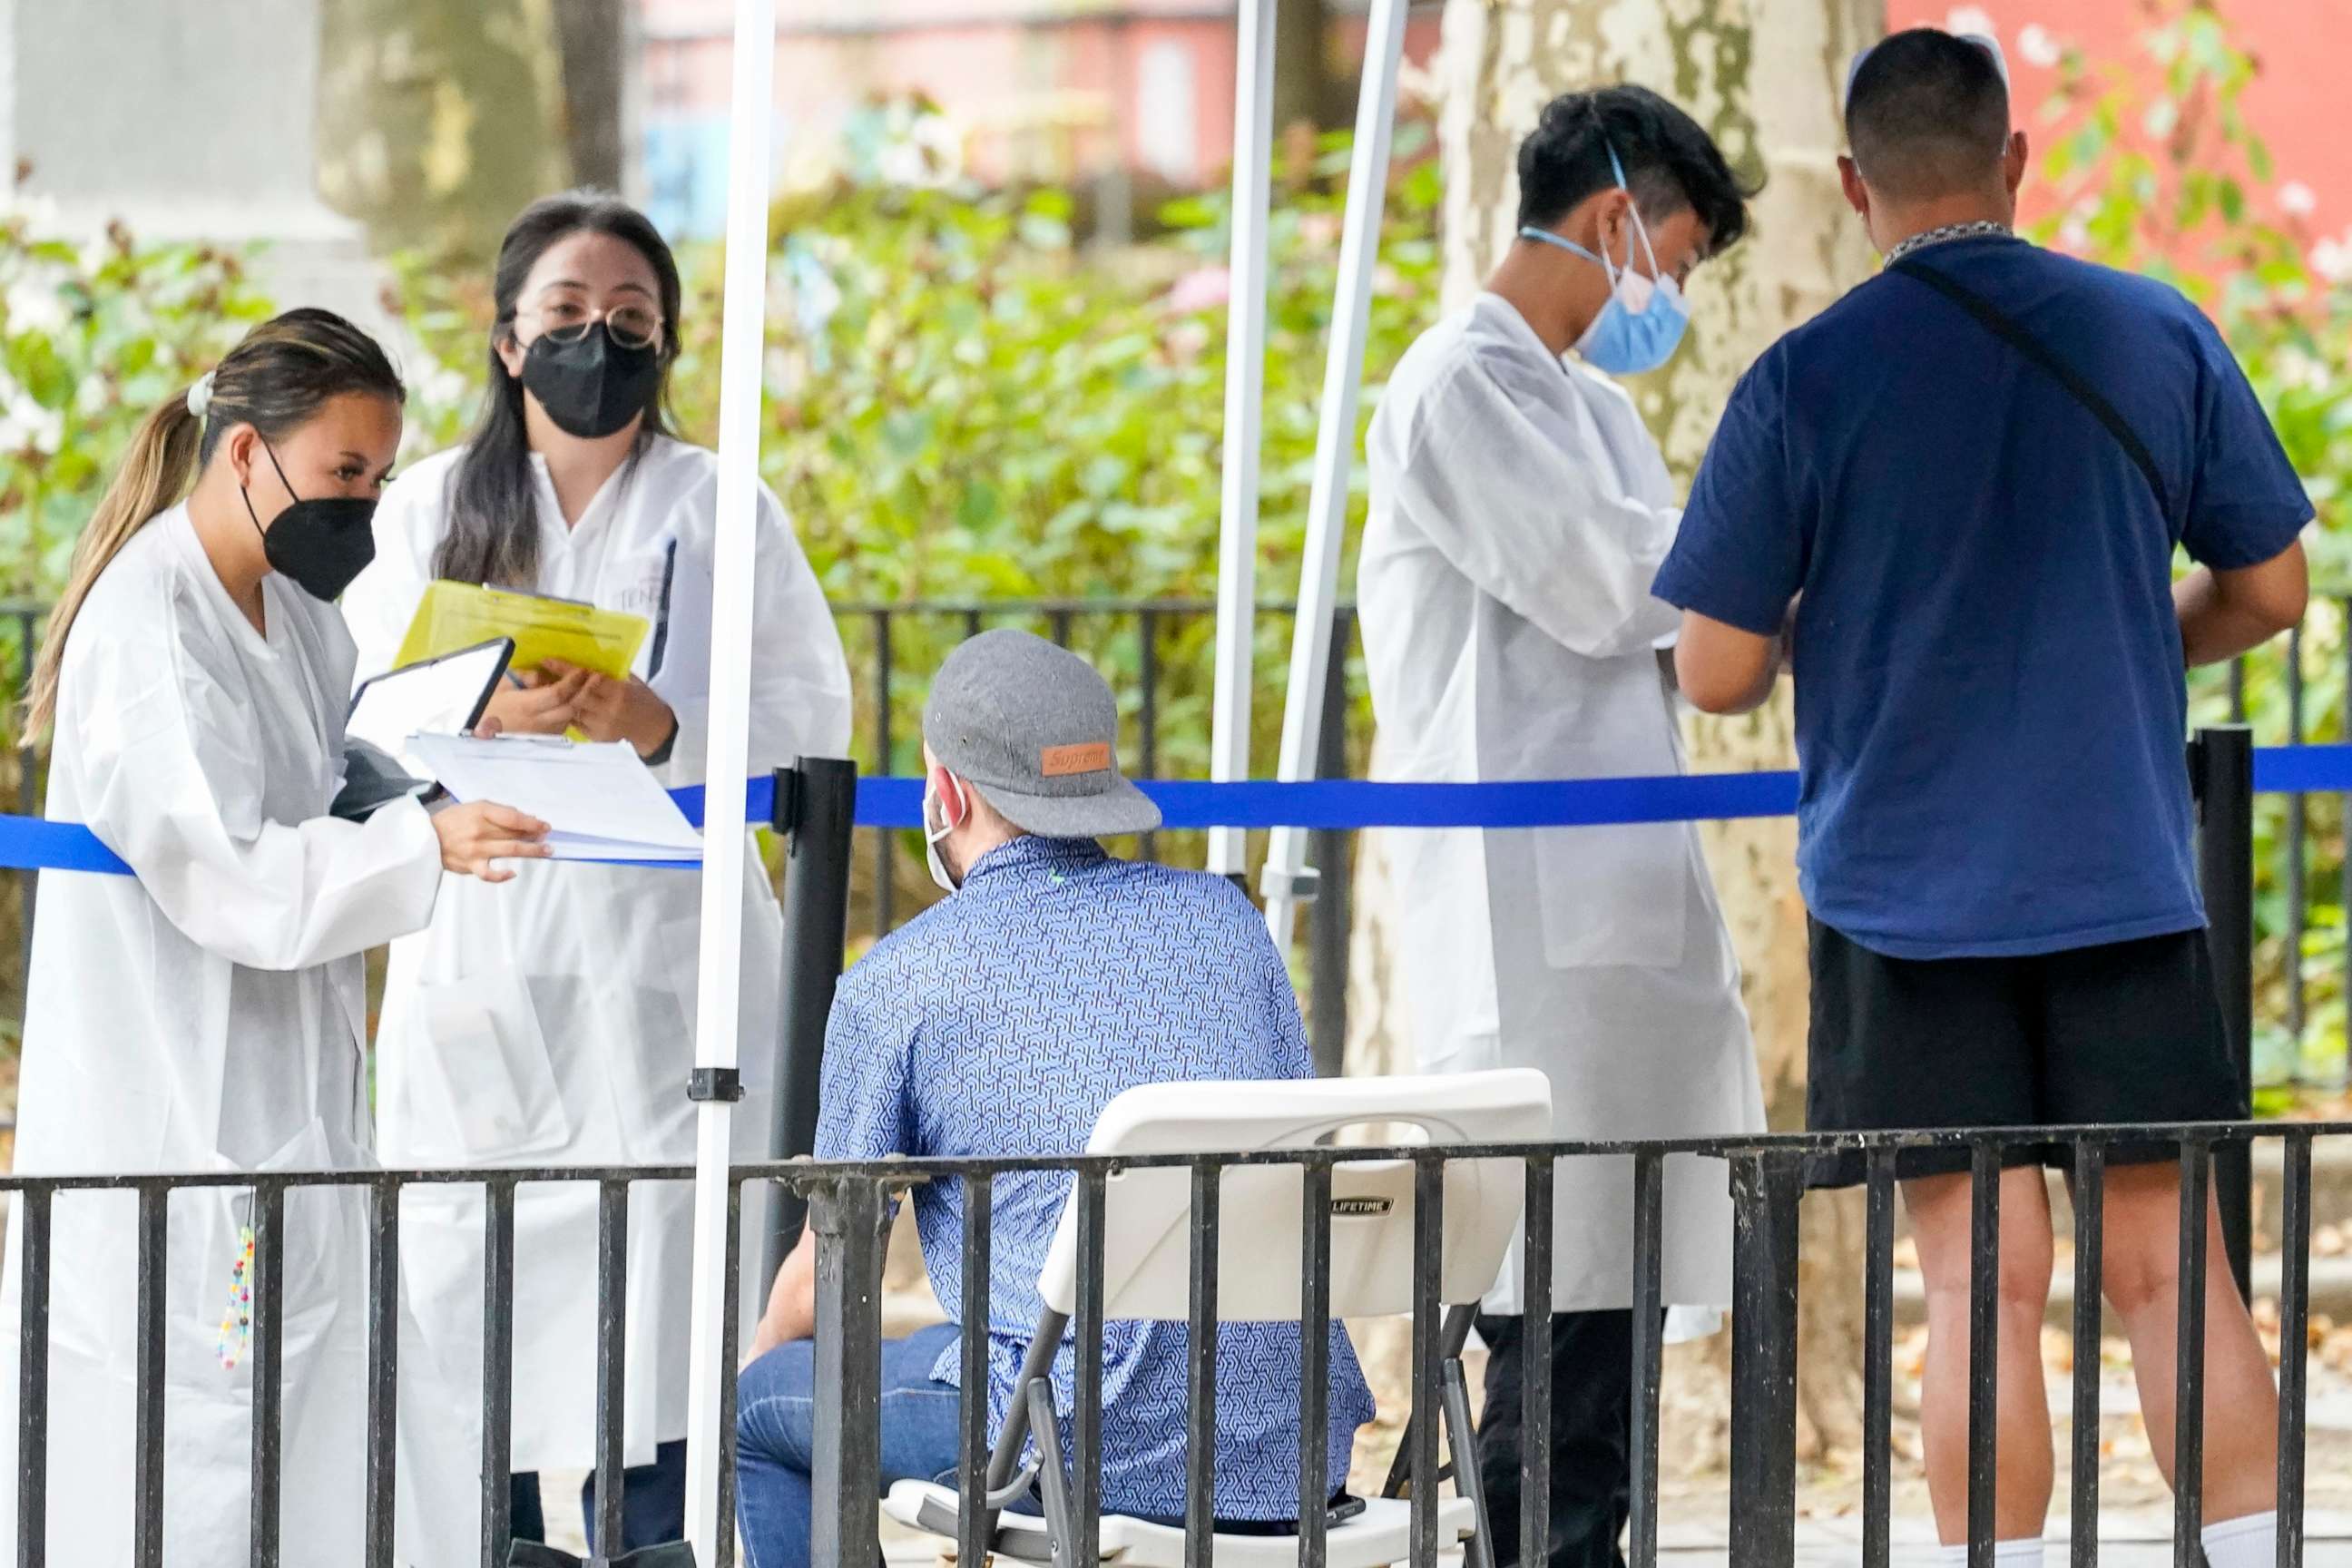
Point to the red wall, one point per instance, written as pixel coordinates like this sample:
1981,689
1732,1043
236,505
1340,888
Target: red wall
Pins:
984,72
2295,105
989,73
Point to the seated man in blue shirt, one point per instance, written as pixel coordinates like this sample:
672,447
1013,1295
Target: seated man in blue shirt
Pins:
1958,494
1001,1022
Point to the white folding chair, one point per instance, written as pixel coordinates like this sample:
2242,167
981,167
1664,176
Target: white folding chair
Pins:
1147,1275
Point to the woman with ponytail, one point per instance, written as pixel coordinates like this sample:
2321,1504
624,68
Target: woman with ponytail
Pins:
564,1005
208,1013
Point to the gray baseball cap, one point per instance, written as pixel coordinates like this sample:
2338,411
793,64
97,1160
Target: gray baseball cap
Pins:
1036,729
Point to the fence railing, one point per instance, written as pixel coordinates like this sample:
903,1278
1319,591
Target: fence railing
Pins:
1768,1182
2298,872
1766,1174
849,1204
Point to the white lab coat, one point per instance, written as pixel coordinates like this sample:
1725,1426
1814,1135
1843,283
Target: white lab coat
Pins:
550,1021
209,1015
1519,511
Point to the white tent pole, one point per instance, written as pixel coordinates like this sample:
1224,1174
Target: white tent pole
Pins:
1229,759
741,347
1334,450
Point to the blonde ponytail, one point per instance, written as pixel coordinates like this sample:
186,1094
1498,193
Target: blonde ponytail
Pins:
276,379
154,474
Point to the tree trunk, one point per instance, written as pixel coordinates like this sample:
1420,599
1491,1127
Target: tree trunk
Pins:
593,37
1302,64
436,121
1766,77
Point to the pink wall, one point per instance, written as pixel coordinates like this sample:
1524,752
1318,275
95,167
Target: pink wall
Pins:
2296,104
1134,66
1155,56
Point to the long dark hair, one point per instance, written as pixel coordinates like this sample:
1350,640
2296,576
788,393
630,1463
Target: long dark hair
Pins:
492,537
277,380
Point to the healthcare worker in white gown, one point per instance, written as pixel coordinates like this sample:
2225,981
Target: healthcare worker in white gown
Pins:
209,1014
1519,511
555,1026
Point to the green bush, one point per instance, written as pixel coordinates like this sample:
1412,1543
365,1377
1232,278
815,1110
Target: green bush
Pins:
963,404
92,336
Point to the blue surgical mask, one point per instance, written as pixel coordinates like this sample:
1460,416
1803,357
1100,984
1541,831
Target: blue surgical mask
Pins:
1642,324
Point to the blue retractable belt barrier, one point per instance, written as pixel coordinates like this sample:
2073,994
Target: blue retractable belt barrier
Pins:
32,843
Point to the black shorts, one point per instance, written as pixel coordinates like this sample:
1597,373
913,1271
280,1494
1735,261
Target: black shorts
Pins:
2129,1032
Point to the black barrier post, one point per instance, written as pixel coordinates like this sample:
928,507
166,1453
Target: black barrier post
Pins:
816,812
2222,777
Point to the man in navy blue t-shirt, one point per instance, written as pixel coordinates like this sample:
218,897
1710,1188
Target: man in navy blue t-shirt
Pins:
1954,501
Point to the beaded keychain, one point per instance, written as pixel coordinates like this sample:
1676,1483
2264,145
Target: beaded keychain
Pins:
237,1322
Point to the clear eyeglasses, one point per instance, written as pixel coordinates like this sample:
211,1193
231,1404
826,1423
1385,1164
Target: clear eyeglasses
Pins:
631,326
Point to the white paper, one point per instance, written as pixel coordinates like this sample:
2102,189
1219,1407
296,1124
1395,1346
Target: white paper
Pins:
435,698
600,803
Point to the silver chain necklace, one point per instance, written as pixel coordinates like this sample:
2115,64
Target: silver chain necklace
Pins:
1983,229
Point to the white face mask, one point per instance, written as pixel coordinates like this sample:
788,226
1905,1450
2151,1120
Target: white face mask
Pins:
934,834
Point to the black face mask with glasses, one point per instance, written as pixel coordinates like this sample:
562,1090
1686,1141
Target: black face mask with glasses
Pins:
594,377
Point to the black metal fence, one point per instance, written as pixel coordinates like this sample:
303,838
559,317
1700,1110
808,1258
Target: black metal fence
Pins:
35,1200
2305,875
1768,1182
849,1204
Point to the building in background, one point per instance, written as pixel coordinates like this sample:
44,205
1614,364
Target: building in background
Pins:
147,112
1062,91
1072,90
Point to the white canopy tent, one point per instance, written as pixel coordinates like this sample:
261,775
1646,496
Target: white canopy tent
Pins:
1229,738
1286,885
717,1045
742,346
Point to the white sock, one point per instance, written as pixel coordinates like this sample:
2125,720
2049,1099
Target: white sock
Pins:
2025,1553
2250,1541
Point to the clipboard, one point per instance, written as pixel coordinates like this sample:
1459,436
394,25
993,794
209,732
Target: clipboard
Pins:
453,616
444,696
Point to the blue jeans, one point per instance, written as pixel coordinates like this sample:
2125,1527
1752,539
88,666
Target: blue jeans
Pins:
775,1424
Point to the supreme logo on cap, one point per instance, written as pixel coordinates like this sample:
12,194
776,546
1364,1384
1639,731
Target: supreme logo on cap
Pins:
1061,762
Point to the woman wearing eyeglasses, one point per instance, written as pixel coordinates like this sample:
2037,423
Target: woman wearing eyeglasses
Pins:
555,1026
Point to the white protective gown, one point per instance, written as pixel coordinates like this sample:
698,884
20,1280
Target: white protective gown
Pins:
550,1021
1519,511
209,1015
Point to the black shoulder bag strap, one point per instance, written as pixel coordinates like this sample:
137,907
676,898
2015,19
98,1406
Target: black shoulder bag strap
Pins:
1990,317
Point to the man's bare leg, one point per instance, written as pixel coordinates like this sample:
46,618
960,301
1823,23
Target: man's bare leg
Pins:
2142,1259
1940,1219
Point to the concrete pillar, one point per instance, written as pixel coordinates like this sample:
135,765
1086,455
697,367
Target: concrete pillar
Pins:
185,119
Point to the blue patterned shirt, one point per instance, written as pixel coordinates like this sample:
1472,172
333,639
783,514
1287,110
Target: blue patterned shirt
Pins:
1001,1023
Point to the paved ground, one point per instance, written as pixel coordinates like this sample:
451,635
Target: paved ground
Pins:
2128,1540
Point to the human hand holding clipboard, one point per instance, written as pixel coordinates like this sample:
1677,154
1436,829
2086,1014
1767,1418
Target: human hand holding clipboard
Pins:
537,701
606,710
